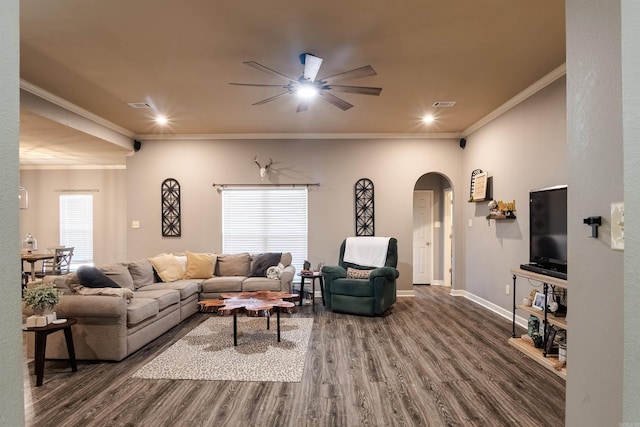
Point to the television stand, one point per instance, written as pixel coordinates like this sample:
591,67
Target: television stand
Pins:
541,270
538,354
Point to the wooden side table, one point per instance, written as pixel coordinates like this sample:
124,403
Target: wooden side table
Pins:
312,276
41,345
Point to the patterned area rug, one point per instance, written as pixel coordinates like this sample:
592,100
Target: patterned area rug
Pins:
207,352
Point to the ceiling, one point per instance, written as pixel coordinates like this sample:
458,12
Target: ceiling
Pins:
179,57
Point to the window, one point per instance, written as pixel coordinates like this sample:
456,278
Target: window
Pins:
257,220
76,226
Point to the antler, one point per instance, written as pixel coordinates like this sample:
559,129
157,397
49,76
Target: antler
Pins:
269,164
255,159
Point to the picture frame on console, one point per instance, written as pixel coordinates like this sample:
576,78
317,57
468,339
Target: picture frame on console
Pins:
539,302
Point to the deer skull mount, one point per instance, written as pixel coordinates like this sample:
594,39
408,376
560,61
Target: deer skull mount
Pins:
263,169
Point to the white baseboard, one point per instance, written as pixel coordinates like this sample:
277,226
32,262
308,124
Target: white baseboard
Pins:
405,293
507,314
438,283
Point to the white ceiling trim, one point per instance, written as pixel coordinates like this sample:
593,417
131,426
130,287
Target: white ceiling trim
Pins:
253,136
71,167
531,90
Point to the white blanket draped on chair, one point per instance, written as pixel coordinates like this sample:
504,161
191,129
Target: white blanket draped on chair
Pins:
366,251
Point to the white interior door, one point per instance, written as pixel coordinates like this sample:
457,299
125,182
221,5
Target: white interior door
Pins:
422,237
448,236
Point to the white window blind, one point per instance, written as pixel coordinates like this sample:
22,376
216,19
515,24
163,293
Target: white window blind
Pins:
76,226
257,220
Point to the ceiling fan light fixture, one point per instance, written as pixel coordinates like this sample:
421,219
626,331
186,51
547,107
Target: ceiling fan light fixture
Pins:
307,91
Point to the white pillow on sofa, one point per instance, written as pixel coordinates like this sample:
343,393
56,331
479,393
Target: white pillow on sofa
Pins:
167,267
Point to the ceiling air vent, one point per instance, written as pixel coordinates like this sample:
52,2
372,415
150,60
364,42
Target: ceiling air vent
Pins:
138,105
444,104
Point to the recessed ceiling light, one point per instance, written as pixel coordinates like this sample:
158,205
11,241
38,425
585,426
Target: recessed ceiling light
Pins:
161,120
428,118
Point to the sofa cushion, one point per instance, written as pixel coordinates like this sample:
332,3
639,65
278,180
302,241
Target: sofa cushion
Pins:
141,272
140,309
262,262
91,277
354,273
199,265
119,273
62,283
167,267
164,297
223,284
260,284
233,265
187,288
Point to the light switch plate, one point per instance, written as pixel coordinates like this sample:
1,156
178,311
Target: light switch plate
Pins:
617,226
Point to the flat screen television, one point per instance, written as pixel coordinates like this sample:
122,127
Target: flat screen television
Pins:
548,231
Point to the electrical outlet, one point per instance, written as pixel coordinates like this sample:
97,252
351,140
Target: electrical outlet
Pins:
135,224
507,289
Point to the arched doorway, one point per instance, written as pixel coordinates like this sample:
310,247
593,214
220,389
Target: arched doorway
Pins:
432,230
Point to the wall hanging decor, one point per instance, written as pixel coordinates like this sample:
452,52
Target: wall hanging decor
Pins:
363,192
170,191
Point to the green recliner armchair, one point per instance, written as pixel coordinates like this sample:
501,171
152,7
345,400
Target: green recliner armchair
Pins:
370,296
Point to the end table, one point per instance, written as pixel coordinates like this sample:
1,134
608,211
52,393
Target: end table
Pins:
41,345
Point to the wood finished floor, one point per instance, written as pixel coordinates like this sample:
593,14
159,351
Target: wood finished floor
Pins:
433,360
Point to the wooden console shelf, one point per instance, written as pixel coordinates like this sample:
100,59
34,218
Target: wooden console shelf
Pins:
548,362
538,354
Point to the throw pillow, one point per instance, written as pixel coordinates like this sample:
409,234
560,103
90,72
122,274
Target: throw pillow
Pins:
199,265
274,272
91,277
263,261
353,273
167,267
141,273
233,265
119,273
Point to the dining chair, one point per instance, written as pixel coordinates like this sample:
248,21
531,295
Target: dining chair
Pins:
59,264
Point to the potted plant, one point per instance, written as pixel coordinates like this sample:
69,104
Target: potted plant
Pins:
41,298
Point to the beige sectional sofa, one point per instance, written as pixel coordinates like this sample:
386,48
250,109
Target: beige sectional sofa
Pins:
155,295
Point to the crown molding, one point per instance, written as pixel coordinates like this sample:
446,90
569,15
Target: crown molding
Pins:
73,167
250,136
545,81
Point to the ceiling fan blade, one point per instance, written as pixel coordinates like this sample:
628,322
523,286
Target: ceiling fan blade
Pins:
257,84
264,101
267,70
362,90
302,106
338,102
356,73
311,67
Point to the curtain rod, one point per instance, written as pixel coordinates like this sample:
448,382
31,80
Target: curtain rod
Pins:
312,184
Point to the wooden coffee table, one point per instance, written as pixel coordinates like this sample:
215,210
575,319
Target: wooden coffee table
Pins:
252,304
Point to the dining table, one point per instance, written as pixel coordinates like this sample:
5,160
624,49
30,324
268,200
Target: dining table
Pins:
32,258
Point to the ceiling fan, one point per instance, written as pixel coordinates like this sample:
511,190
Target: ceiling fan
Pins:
307,86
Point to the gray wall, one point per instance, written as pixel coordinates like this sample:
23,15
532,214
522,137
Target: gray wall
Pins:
11,402
521,150
42,218
394,166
